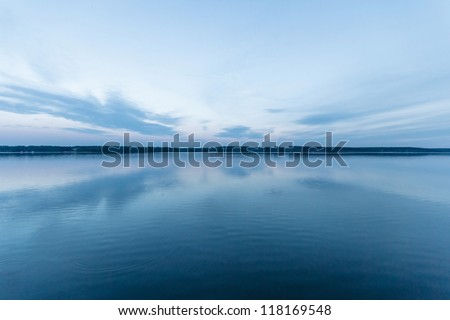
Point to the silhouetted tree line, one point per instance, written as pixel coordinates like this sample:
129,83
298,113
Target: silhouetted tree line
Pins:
222,149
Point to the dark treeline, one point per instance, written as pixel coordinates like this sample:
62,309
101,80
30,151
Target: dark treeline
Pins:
222,149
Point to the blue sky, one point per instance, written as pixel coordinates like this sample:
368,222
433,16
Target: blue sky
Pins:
84,72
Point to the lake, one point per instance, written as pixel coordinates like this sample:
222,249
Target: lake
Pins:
378,229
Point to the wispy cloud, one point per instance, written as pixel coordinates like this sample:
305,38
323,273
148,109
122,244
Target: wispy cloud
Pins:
275,110
325,118
115,113
239,132
85,130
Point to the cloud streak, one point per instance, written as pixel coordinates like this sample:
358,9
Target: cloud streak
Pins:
239,132
325,118
116,113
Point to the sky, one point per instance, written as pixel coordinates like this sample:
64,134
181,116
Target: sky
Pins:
375,73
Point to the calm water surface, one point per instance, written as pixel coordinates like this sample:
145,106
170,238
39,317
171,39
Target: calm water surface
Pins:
70,229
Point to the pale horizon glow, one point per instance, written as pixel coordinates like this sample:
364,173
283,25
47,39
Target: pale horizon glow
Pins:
85,72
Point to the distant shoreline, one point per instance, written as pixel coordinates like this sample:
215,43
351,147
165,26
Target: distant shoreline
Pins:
74,150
